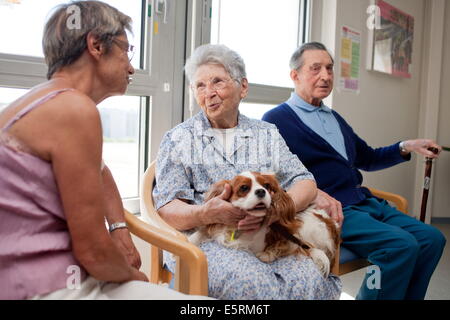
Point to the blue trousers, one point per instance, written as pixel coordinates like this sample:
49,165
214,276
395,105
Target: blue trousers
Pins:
405,250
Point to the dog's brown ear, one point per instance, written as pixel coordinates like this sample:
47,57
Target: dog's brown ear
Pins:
284,207
216,189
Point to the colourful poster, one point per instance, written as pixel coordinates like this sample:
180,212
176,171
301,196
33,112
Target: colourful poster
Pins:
349,59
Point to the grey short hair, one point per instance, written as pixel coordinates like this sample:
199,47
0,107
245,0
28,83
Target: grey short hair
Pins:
216,54
297,62
63,44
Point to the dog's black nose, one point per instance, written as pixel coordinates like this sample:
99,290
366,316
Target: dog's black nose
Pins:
260,193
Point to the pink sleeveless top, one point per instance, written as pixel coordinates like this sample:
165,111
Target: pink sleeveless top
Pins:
35,245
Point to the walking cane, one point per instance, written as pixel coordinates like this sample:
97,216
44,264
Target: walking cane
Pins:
426,184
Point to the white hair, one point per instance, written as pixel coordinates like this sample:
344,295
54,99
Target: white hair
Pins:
216,54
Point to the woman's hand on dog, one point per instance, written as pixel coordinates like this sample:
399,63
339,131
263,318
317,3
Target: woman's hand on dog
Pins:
330,205
219,210
250,223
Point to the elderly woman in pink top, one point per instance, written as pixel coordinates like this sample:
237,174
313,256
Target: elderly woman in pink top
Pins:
55,194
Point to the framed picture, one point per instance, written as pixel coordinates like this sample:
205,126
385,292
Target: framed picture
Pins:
391,41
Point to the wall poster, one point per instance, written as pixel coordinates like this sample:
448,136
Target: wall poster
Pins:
350,58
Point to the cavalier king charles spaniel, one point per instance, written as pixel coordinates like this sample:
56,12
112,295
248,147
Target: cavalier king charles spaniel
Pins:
284,232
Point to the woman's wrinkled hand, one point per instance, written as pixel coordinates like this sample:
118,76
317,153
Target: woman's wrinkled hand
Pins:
250,223
139,276
219,210
123,241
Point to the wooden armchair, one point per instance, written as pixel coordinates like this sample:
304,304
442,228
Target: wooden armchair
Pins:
191,275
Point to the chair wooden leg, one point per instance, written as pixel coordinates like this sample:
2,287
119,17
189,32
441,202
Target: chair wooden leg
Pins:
157,272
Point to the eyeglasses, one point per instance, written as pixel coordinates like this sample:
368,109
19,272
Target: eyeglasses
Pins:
216,83
130,49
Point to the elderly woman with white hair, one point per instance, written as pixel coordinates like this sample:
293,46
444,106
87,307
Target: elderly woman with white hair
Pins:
219,143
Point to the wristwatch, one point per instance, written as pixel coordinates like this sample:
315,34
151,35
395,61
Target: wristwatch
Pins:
117,225
402,147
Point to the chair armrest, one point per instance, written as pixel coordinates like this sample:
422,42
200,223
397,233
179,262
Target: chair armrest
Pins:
191,256
400,202
154,219
147,205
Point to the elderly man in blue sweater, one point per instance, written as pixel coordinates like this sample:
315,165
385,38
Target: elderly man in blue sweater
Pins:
405,249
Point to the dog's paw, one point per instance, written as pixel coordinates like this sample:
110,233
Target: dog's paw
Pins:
266,256
321,260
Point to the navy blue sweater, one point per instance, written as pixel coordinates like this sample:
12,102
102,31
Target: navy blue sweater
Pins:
334,174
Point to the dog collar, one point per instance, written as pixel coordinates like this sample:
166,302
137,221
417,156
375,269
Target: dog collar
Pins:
234,235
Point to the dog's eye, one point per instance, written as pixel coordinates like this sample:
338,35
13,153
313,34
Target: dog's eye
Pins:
244,188
267,186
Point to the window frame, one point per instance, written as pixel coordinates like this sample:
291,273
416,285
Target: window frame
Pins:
161,83
257,93
25,72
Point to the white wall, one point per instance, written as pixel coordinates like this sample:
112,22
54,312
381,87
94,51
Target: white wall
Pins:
387,109
441,195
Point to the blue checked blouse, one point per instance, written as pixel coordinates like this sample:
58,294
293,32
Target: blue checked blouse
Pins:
190,160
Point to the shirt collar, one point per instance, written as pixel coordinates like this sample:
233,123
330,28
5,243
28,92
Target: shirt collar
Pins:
296,102
205,128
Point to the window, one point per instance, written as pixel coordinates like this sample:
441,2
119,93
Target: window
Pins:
255,110
158,98
8,95
132,128
122,138
27,18
265,33
122,141
257,37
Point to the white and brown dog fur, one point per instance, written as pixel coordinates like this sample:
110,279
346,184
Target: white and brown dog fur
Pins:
261,195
